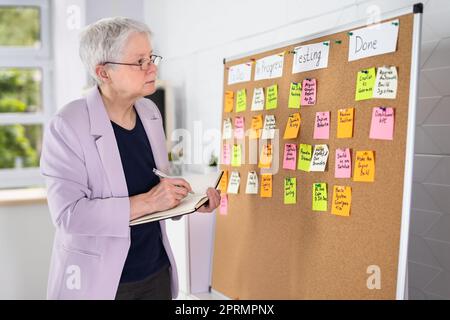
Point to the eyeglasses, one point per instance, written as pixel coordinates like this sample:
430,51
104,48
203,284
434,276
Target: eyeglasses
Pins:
143,63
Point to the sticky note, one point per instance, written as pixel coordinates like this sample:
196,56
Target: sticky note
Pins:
229,99
227,131
239,127
320,197
290,190
268,131
233,183
295,93
322,125
292,126
241,100
265,159
319,158
290,156
256,126
386,83
226,153
309,92
382,125
342,201
236,156
304,157
364,166
343,163
258,99
365,82
223,183
345,123
223,204
272,97
266,186
252,183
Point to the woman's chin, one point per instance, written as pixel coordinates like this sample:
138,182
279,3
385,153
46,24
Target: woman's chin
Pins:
149,88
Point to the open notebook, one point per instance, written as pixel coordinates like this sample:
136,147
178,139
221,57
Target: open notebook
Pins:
190,203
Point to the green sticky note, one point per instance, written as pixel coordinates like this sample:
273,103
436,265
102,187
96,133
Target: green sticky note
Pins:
290,190
320,197
304,157
364,84
241,100
295,95
272,97
236,156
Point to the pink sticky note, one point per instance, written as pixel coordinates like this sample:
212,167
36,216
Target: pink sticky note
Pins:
223,204
290,156
239,127
226,153
322,125
309,91
382,126
343,164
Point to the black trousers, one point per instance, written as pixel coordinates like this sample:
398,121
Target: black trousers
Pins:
155,287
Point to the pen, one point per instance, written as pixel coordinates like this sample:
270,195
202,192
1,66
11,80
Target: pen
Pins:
163,175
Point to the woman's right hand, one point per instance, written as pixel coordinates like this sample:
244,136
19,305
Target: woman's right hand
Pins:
165,195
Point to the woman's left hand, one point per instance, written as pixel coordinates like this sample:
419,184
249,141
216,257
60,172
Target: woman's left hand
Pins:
213,200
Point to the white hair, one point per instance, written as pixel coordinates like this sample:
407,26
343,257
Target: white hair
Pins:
105,40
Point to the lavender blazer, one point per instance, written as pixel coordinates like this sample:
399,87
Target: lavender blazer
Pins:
88,198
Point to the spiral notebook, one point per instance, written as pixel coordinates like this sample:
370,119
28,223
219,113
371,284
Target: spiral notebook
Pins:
190,204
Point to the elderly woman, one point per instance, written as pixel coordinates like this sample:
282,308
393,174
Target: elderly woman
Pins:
98,156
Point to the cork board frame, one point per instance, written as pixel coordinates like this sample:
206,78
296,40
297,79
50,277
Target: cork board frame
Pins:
264,249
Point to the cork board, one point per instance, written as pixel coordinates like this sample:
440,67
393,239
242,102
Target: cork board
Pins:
265,249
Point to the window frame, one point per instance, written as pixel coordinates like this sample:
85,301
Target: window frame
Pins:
28,57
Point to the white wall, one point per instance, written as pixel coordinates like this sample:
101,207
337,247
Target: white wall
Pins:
26,238
194,37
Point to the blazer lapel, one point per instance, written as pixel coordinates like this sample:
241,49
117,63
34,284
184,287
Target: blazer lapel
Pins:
152,123
105,140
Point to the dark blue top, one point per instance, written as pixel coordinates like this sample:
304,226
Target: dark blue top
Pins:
147,254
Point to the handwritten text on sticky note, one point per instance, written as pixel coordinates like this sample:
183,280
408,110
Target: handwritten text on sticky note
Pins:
382,125
309,92
364,166
342,201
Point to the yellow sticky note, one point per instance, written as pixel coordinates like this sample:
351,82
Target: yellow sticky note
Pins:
342,201
223,183
257,124
265,160
364,84
266,186
236,156
304,157
292,126
241,100
345,123
364,166
229,99
295,95
290,190
320,197
272,97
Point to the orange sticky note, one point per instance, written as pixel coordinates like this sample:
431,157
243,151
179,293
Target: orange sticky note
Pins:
266,186
342,201
292,126
229,99
223,183
345,123
364,166
265,160
257,124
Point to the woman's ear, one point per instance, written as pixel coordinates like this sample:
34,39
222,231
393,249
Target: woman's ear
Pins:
102,74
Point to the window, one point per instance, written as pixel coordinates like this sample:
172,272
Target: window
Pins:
25,104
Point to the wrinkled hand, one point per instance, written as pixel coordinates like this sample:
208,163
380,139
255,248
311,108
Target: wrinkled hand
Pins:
213,201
